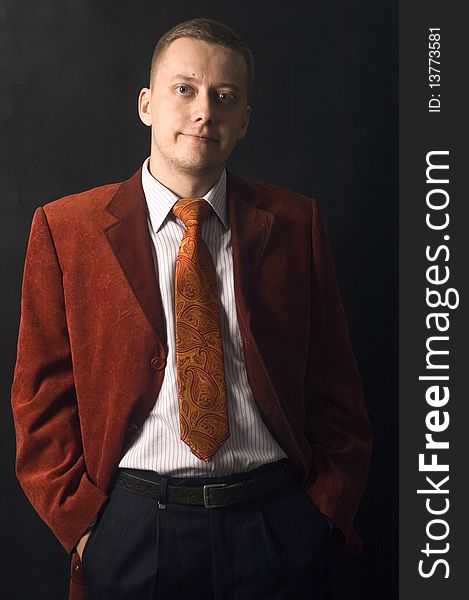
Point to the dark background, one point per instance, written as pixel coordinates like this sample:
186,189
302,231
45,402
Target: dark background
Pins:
324,123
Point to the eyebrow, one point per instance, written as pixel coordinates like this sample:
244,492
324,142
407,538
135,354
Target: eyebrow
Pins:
219,84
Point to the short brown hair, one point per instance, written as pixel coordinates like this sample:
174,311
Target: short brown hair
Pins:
207,30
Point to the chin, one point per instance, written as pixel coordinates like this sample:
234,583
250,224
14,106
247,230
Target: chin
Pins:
199,166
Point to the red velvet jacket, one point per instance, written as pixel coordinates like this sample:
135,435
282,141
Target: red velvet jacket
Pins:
92,349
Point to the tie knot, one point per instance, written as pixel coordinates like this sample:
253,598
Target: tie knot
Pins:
191,211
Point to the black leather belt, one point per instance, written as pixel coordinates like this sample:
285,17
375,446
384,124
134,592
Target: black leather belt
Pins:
211,495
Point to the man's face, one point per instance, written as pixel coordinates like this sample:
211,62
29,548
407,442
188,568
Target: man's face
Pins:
196,106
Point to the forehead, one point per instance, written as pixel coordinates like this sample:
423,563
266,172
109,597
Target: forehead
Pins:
202,60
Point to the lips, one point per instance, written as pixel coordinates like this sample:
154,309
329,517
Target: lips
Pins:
200,137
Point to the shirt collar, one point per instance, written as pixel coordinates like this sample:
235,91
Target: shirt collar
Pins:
160,200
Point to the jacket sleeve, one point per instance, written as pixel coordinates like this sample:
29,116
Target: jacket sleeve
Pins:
336,419
49,458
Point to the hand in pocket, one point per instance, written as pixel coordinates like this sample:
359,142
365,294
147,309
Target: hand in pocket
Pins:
82,543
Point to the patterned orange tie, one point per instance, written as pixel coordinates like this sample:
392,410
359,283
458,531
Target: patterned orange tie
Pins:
203,410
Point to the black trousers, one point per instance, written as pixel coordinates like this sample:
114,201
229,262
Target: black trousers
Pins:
274,547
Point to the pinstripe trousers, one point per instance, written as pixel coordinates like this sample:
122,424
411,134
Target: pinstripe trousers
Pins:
274,547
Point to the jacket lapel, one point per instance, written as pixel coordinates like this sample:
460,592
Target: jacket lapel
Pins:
250,231
130,240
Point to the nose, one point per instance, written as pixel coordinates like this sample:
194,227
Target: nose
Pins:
202,108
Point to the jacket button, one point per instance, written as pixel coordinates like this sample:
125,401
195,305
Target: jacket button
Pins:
158,363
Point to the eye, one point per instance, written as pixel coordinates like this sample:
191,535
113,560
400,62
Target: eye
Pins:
226,97
183,90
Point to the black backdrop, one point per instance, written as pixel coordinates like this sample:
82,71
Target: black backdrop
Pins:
324,123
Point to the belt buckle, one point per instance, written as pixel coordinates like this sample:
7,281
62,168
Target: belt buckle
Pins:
206,493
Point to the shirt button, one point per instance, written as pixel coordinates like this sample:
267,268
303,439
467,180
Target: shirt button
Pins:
158,363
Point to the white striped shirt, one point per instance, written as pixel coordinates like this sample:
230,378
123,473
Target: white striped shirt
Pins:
158,446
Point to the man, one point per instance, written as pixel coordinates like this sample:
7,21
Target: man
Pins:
188,409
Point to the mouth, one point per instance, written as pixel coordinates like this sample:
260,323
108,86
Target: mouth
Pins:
202,138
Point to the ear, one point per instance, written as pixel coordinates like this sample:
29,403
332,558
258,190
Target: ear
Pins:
144,108
244,127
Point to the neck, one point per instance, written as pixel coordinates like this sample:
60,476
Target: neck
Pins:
185,185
